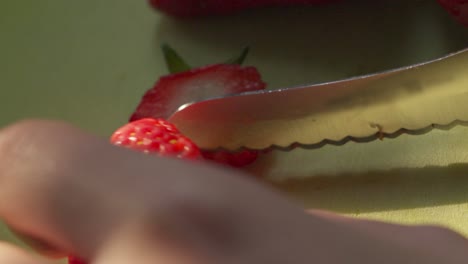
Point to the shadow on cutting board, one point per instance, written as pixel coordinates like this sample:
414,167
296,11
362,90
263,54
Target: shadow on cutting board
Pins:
300,45
382,190
372,184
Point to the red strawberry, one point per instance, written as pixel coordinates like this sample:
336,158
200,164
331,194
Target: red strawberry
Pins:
186,85
458,9
155,136
175,90
193,8
234,159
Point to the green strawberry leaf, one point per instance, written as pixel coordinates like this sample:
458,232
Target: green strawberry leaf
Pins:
239,60
174,62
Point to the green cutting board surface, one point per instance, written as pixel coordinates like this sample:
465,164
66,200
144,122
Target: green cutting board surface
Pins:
88,62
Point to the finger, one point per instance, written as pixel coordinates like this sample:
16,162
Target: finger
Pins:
83,195
13,255
74,190
37,163
65,186
70,188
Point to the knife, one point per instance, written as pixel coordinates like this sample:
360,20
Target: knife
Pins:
408,98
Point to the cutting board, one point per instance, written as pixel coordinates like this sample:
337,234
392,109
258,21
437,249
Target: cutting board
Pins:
88,62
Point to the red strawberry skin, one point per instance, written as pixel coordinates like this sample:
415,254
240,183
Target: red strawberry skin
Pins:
172,91
194,8
238,159
155,136
458,9
175,90
75,260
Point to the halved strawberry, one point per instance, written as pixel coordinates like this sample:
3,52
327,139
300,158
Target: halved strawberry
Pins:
186,85
175,90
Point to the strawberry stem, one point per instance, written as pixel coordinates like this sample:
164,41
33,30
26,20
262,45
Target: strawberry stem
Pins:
239,60
174,62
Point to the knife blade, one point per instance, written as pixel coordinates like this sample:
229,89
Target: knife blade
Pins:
411,98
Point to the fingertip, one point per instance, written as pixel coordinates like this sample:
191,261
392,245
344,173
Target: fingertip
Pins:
17,136
29,125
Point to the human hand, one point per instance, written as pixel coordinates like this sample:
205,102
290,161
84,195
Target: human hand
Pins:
85,197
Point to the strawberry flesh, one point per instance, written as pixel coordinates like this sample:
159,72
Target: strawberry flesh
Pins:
175,90
187,85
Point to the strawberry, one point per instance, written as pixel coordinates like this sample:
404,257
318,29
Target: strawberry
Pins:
194,8
186,85
458,9
175,90
238,159
155,136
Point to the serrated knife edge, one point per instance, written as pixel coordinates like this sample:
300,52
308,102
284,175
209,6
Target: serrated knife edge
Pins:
413,98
